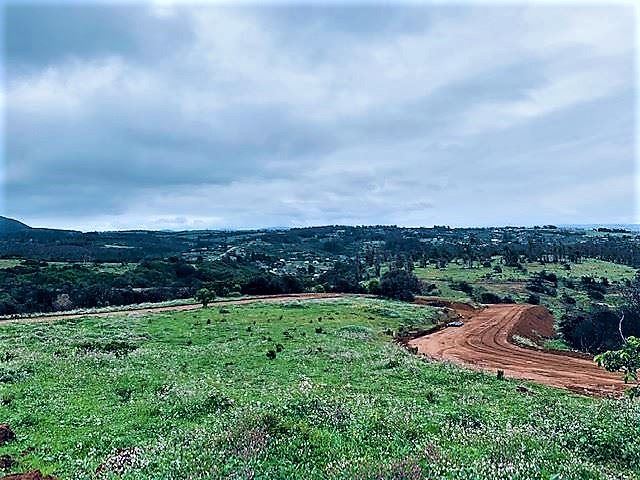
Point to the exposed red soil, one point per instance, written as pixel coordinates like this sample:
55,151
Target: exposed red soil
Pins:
6,462
6,434
534,323
34,475
485,342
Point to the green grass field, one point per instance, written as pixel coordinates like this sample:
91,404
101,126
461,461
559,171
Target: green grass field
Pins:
589,267
194,395
9,262
512,281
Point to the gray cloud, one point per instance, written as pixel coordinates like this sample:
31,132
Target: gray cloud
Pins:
181,117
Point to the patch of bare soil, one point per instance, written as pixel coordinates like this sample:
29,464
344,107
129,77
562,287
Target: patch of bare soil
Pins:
485,342
6,434
6,462
34,475
534,323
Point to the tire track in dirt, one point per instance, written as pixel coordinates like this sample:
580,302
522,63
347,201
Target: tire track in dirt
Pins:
484,342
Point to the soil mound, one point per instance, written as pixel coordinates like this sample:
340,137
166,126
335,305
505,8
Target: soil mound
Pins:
534,323
6,434
34,475
6,462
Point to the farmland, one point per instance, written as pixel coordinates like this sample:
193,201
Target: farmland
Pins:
314,389
511,282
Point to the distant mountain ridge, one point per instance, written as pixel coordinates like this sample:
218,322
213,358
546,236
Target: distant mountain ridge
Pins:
9,225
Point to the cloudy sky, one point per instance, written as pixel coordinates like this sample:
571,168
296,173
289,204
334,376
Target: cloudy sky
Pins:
177,116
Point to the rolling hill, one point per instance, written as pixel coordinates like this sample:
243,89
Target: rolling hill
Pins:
9,225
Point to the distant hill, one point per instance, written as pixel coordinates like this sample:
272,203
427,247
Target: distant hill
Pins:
9,225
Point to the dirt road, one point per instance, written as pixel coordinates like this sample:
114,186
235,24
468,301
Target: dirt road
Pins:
485,342
176,308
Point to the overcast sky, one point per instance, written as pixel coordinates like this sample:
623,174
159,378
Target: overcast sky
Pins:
205,117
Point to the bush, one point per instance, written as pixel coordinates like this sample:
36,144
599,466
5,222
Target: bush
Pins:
432,287
597,331
272,285
490,297
533,299
462,286
373,287
549,277
625,360
538,285
400,285
595,295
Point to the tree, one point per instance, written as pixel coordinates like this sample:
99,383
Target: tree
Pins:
625,360
399,284
373,287
204,296
63,302
631,296
342,277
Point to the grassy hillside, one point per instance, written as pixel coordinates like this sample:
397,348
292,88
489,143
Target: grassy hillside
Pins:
512,282
194,395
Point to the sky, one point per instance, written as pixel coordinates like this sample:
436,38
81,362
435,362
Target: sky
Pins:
178,116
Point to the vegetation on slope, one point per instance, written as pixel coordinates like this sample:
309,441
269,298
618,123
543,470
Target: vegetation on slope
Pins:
9,225
300,390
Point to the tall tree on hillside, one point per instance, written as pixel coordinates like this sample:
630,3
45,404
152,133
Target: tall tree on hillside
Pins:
205,296
627,359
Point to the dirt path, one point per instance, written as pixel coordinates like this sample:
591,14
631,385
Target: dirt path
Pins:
176,308
484,342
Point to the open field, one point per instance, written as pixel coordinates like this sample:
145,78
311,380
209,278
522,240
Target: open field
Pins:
512,282
193,394
170,306
112,267
590,267
9,262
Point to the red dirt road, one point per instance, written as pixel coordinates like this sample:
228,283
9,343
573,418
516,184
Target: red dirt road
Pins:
484,342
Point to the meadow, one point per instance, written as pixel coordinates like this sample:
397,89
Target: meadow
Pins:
313,390
511,281
456,271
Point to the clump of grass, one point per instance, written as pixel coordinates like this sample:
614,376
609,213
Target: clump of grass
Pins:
358,332
556,344
116,347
